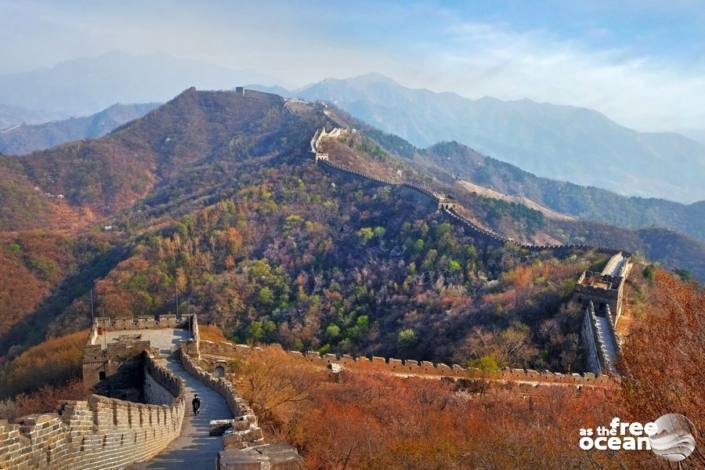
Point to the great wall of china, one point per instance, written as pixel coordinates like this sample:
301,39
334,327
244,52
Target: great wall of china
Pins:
604,289
444,204
414,368
97,433
111,433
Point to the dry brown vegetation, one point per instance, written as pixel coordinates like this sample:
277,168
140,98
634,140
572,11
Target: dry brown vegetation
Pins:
42,377
371,420
52,363
366,419
211,333
665,357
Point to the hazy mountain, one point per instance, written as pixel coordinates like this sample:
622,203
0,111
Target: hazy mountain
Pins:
11,116
560,142
696,134
26,138
219,192
87,85
584,202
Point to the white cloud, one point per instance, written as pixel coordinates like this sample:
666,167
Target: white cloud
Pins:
638,91
419,45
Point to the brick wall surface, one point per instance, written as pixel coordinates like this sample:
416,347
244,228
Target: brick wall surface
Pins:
410,366
99,433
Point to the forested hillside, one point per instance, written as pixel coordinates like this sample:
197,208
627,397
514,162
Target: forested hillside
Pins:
588,203
214,201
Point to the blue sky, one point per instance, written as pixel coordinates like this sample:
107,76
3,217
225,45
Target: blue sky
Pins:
640,62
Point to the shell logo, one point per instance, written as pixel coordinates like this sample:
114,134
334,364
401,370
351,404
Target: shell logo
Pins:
674,439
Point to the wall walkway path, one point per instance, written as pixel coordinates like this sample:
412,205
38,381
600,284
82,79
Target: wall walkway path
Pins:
194,448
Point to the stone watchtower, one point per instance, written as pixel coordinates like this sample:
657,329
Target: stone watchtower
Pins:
605,289
446,203
601,295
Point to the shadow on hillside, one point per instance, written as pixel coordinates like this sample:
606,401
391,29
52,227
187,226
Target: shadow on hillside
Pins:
32,328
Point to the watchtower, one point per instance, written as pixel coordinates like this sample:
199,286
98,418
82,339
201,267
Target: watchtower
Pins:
446,203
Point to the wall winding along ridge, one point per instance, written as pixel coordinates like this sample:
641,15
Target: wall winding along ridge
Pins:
599,337
444,204
99,433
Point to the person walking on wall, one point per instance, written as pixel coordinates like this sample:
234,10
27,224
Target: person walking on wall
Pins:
196,403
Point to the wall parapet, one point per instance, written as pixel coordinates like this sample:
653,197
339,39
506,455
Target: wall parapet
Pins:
140,323
411,367
97,433
245,430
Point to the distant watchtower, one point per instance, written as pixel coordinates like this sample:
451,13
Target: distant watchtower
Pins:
445,203
605,289
240,90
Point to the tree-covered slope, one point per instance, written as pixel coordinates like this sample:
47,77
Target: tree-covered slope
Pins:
214,199
588,203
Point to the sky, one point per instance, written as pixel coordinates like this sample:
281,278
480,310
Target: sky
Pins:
641,63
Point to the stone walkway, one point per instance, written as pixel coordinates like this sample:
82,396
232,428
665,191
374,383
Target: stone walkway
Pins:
194,449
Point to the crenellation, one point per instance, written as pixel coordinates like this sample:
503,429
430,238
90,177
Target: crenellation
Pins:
97,433
415,367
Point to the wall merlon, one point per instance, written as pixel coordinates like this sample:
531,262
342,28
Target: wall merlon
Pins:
98,433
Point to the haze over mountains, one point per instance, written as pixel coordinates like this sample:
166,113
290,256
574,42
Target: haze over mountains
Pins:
559,142
26,138
85,86
11,116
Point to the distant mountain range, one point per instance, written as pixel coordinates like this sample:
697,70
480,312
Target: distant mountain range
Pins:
85,86
559,142
23,139
583,202
587,203
11,116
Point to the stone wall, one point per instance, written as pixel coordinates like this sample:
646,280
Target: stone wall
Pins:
116,360
99,433
589,336
141,322
246,430
443,204
243,441
413,367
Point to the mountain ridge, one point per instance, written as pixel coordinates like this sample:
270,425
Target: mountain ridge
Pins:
28,138
561,142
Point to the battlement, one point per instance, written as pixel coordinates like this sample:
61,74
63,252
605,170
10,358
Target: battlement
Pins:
139,323
98,433
411,367
245,430
109,354
606,288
